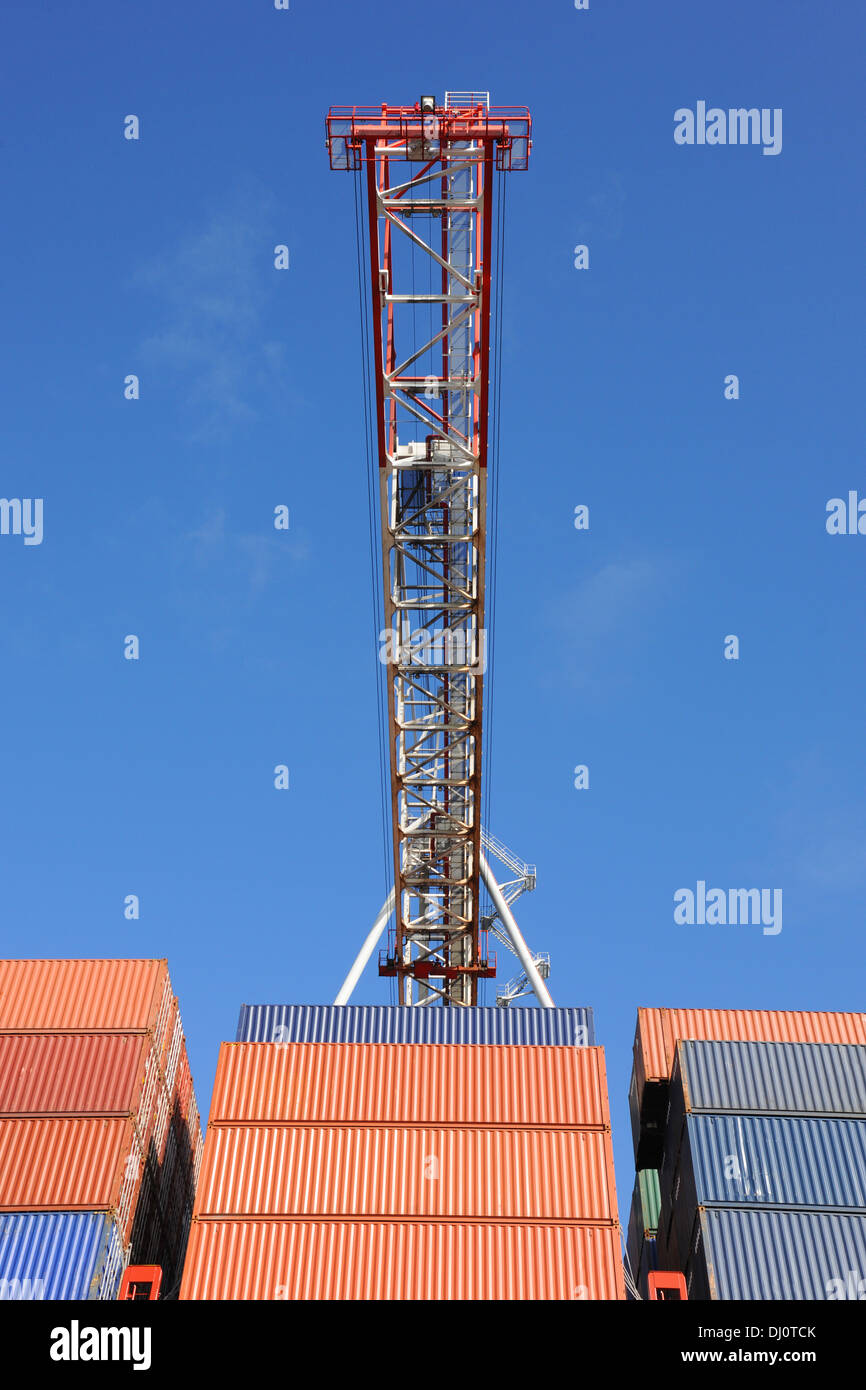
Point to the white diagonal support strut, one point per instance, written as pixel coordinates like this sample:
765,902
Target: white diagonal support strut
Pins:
373,938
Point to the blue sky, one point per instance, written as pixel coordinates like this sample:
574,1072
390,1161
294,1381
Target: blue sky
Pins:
707,516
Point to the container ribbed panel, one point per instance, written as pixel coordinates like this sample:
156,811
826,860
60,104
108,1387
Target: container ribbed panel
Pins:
413,1261
774,1160
54,1255
377,1023
519,1174
84,995
421,1084
659,1030
71,1073
788,1078
778,1255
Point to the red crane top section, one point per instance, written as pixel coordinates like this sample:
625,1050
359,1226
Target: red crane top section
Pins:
353,132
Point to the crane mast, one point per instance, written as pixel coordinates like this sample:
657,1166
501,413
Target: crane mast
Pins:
428,172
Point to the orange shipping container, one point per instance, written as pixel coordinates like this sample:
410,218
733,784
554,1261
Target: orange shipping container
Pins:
72,1073
513,1174
659,1031
86,1074
70,1165
183,1084
415,1261
410,1083
84,995
506,1148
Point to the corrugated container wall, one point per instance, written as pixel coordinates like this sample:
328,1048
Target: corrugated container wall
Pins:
410,1260
659,1030
59,1255
83,995
69,1164
761,1161
97,1115
777,1255
73,1073
342,1083
381,1023
769,1078
433,1171
763,1178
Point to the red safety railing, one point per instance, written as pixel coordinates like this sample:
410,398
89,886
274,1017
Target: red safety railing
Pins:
353,130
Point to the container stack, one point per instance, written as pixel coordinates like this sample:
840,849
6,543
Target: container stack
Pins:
387,1153
755,1123
641,1245
100,1139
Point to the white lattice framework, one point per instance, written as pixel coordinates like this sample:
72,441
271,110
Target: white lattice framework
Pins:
429,188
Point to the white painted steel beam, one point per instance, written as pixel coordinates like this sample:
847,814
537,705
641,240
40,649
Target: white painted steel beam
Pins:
366,950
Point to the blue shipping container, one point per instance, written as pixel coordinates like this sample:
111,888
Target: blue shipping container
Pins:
737,1254
382,1023
766,1078
58,1255
762,1160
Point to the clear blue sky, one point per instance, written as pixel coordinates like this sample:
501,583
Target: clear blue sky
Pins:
707,516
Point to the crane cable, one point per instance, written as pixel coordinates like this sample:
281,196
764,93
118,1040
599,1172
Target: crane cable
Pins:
628,1272
493,502
368,407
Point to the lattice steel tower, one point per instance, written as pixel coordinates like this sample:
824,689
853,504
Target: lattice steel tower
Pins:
429,211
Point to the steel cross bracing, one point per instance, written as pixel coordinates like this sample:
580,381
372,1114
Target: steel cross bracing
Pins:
429,186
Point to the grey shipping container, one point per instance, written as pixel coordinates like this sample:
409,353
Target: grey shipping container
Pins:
770,1078
381,1023
762,1160
762,1079
773,1254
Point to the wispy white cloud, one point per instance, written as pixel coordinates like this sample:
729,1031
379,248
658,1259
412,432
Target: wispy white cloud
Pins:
597,621
247,562
210,296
